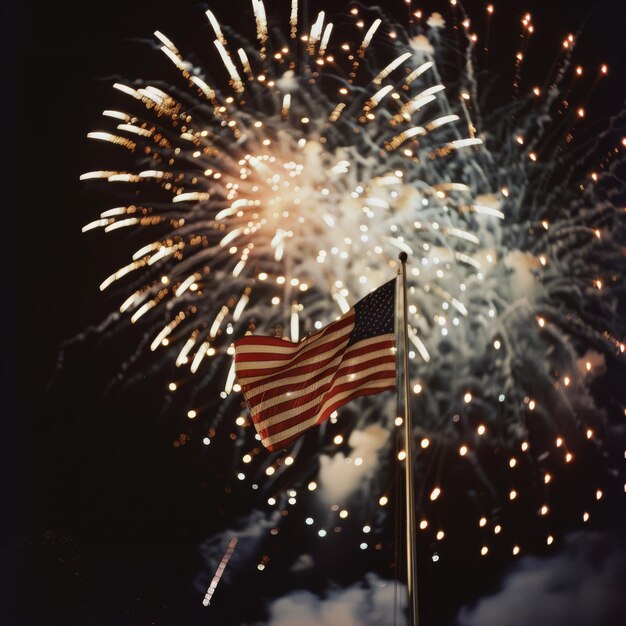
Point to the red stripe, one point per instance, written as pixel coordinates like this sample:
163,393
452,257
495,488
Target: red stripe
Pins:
260,340
268,394
316,339
283,444
269,375
289,403
279,371
255,357
274,429
326,414
353,351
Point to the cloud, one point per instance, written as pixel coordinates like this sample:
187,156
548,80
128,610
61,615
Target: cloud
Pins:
340,476
580,586
371,602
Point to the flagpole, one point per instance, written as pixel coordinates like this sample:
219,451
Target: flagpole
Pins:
411,552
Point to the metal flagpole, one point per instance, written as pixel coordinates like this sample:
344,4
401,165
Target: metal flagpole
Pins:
411,553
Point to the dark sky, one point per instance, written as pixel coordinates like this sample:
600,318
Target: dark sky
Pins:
101,518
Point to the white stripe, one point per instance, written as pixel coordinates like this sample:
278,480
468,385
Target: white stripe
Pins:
335,364
290,366
346,378
261,406
292,362
298,428
257,348
286,348
249,380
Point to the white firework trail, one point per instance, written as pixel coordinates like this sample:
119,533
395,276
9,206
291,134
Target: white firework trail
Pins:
232,544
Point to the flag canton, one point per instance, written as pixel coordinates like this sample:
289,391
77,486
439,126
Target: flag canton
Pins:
374,315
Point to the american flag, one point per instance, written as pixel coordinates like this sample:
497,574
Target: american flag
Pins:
291,387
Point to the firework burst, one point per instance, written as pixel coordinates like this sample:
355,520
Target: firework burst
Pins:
274,193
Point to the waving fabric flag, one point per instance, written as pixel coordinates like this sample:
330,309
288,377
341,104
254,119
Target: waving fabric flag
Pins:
291,387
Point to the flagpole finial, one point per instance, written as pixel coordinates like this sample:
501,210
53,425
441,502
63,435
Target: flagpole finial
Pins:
403,256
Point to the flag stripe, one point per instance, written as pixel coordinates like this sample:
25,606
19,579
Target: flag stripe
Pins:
295,388
251,378
277,424
281,410
260,368
254,386
279,440
250,343
264,400
378,379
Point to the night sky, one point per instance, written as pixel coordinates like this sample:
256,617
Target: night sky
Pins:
103,518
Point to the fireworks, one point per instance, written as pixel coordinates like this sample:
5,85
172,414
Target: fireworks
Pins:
274,193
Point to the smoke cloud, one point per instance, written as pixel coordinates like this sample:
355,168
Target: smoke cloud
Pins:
370,602
340,476
581,586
